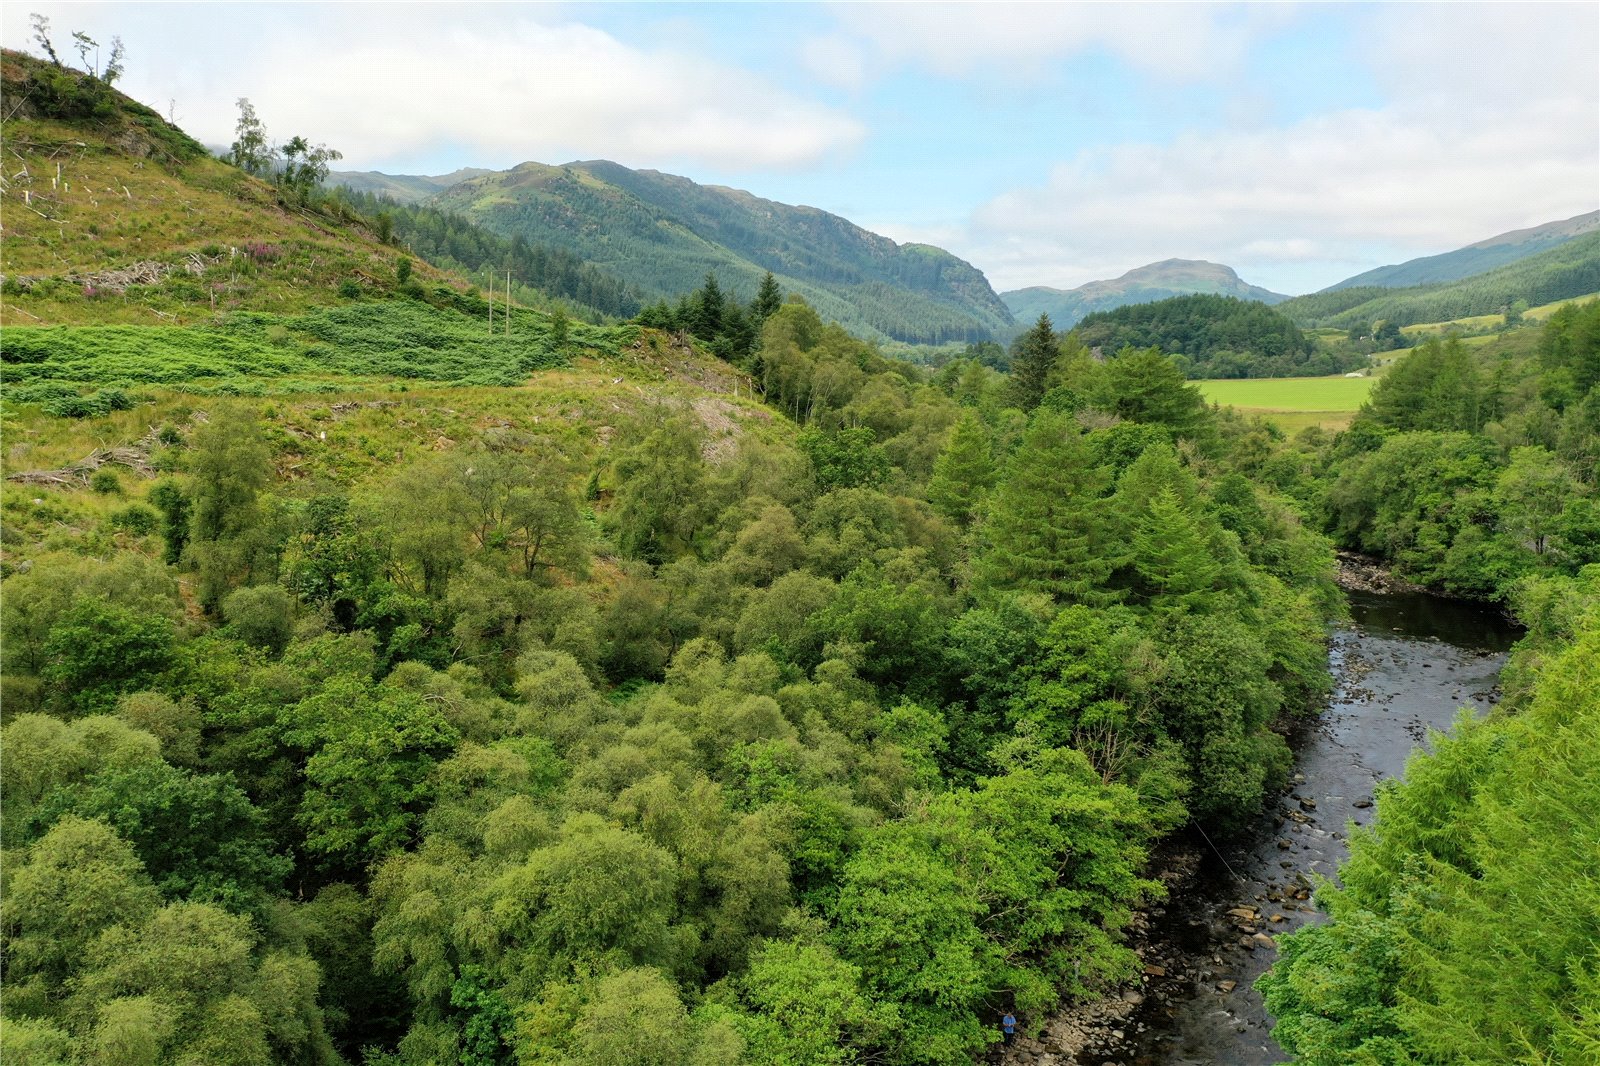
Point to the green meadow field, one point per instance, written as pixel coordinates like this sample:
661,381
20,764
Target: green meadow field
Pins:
1293,403
1422,330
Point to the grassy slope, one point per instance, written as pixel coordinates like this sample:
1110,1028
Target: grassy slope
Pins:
1489,322
132,257
355,434
109,210
90,198
349,387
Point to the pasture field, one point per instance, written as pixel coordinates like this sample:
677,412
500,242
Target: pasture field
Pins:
1544,311
1293,403
1422,330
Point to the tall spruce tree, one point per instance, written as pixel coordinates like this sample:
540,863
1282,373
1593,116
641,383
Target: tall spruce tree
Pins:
1047,528
1170,552
706,310
768,299
1144,385
964,472
1033,356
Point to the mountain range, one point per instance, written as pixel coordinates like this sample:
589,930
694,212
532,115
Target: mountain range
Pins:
406,188
1146,284
663,234
1476,258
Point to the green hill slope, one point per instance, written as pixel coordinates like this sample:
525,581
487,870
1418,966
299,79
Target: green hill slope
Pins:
1476,258
663,234
133,258
112,214
402,188
1141,285
1572,268
1218,336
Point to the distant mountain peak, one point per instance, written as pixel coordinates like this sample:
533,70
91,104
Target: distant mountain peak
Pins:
403,188
1143,284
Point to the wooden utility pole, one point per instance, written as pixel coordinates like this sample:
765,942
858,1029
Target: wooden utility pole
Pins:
491,303
508,303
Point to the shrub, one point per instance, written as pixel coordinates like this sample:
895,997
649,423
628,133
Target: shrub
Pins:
261,615
137,519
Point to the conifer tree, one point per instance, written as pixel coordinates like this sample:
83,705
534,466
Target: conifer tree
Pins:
1171,554
768,299
964,472
1144,385
1033,356
707,310
1047,530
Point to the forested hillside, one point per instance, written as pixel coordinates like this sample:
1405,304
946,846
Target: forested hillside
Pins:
1477,258
658,712
388,679
1567,270
1464,927
1216,336
663,234
454,243
1146,284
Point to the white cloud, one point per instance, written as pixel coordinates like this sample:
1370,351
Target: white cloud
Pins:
1173,41
1324,188
1495,125
835,60
498,84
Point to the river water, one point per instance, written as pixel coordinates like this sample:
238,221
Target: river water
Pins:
1403,664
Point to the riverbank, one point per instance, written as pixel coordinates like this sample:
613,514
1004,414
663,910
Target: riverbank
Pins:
1404,664
1363,573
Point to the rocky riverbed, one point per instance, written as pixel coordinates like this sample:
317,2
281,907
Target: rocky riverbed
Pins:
1405,663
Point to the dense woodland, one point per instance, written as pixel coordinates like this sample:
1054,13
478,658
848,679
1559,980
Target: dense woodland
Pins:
565,695
530,749
1465,926
826,748
1217,337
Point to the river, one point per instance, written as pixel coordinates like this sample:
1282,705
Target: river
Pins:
1403,664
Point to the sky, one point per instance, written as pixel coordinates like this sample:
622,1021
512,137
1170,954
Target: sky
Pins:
1047,144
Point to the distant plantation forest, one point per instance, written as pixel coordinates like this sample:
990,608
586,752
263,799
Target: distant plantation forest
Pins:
450,241
1568,270
1216,336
